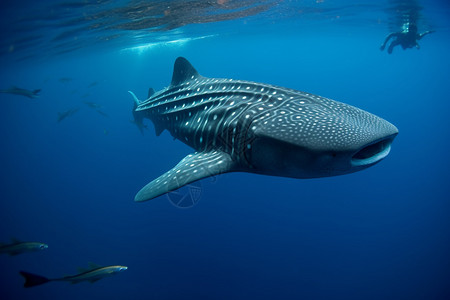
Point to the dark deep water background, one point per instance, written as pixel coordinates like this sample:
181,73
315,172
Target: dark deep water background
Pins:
383,233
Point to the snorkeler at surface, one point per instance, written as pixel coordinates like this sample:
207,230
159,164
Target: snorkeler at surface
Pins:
407,38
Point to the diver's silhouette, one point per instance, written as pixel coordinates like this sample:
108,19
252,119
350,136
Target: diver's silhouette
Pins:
407,38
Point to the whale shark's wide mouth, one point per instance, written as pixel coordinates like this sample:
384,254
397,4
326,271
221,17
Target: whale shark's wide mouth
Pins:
373,153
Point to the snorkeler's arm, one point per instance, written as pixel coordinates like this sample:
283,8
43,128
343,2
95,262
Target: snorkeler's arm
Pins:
424,34
387,39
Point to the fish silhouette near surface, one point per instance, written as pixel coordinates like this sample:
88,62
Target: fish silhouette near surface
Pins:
92,104
97,107
67,113
18,247
65,79
92,274
102,113
243,126
22,92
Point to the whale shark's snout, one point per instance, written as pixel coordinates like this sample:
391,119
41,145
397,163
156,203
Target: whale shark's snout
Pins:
327,138
375,136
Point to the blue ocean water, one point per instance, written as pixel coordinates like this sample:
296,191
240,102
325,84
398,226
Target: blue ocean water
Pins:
383,233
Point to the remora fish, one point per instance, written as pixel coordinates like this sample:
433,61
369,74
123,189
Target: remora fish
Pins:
93,274
244,126
19,247
21,92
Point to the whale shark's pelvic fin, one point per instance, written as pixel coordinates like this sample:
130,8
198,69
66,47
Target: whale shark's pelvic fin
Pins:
191,168
183,71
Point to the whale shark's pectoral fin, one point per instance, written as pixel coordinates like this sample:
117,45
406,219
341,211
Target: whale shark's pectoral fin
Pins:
191,168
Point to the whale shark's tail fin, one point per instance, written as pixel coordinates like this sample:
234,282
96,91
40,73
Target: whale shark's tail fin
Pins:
136,100
138,119
33,279
139,115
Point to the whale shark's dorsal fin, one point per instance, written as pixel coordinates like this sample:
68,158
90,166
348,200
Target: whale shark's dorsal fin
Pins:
191,168
183,71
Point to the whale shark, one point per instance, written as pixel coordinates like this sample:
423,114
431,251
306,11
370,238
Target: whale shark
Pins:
244,126
65,114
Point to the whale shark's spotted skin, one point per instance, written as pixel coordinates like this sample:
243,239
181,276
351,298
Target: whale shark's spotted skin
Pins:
224,120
